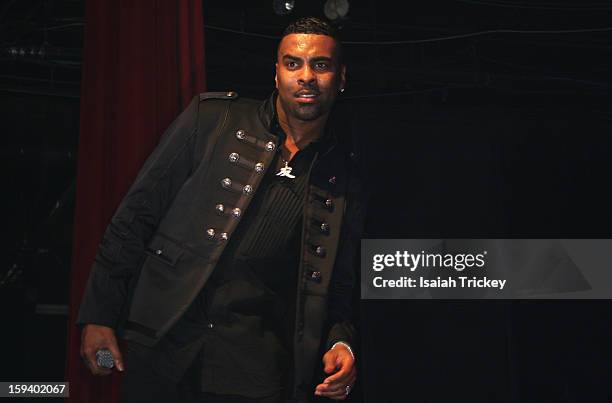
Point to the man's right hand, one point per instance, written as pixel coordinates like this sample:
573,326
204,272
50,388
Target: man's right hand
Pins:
97,337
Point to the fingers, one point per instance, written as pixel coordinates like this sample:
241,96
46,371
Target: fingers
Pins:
114,349
340,362
330,361
336,391
339,376
332,367
349,379
94,338
334,386
88,355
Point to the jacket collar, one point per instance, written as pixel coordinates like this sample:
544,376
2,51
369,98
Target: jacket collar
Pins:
269,119
267,112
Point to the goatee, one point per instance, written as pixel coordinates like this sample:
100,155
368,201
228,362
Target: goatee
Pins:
307,112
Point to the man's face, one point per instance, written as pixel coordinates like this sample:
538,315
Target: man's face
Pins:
308,75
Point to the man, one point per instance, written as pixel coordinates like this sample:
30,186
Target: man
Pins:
230,264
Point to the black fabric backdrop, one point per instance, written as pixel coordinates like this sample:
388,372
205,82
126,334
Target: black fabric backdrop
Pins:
498,171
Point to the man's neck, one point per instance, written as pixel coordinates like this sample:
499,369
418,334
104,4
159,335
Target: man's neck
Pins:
299,133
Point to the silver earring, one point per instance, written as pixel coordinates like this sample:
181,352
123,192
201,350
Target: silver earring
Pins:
341,89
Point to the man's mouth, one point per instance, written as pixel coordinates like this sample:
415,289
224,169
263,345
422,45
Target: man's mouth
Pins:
306,96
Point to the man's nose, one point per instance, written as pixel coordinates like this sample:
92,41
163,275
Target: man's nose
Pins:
307,76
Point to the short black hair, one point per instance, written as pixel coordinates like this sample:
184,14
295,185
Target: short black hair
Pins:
316,26
311,25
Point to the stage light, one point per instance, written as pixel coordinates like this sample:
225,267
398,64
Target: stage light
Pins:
336,9
283,7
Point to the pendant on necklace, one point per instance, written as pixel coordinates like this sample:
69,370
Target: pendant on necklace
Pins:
285,171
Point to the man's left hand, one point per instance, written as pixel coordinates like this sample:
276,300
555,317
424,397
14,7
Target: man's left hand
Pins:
340,364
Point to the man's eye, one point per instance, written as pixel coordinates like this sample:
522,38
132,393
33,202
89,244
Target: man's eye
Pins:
291,65
321,65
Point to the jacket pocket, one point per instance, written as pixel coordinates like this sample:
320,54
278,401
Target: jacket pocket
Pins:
165,250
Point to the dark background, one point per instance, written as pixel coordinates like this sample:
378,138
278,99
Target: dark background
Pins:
492,135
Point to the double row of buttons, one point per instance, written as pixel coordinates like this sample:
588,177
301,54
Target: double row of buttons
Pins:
228,184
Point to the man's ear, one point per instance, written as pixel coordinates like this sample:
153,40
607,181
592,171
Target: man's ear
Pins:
276,74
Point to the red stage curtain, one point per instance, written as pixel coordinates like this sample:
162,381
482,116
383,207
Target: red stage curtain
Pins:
143,62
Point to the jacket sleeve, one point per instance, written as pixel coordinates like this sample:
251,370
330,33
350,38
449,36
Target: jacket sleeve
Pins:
136,219
343,290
